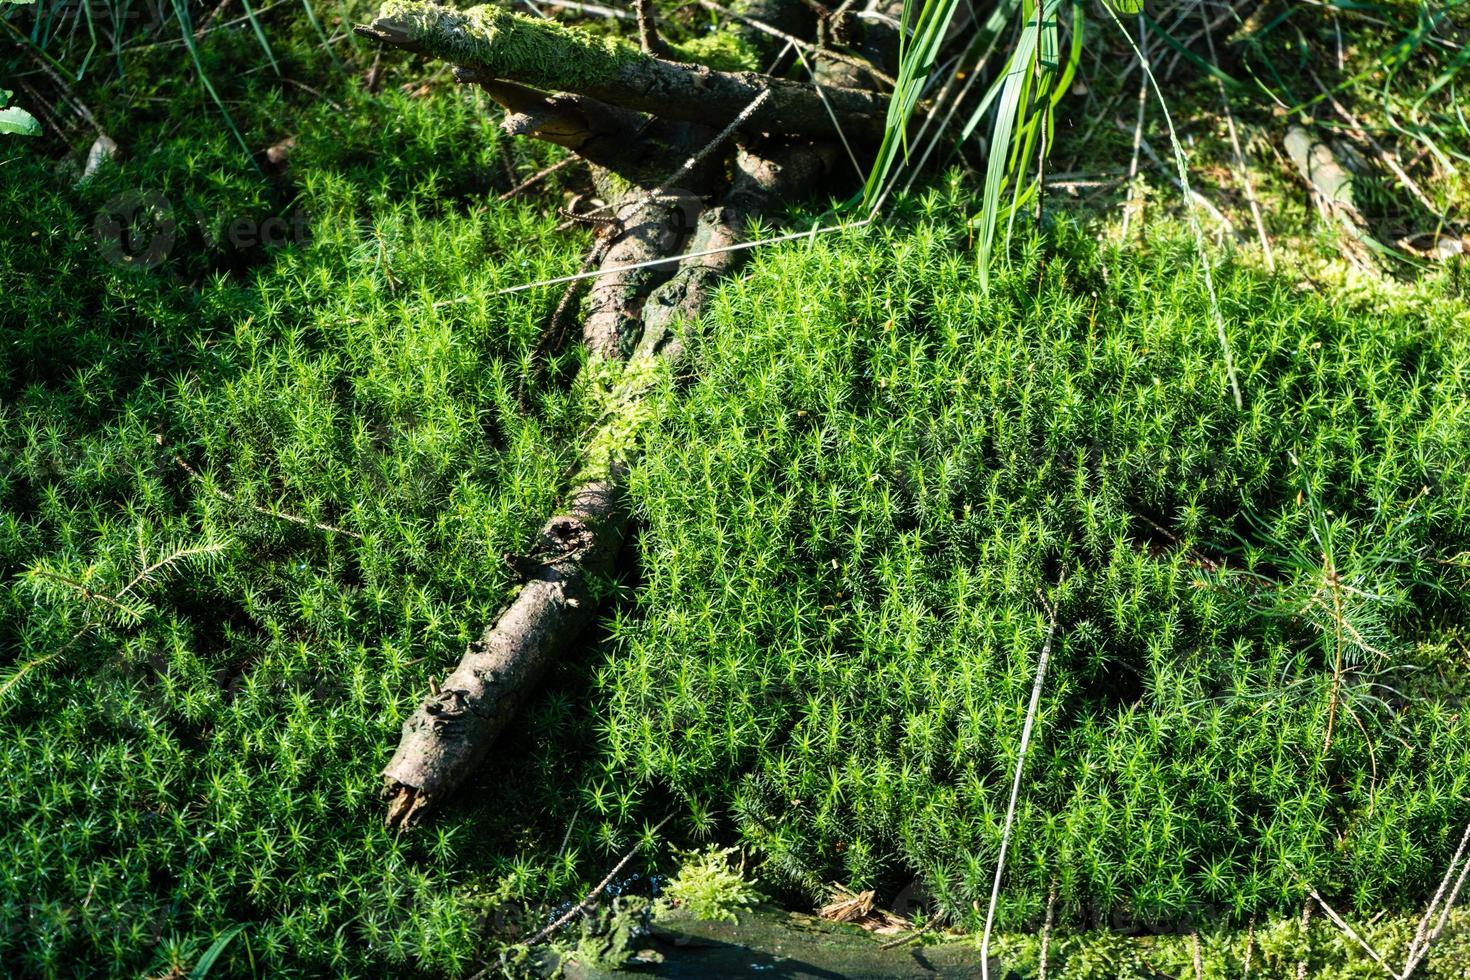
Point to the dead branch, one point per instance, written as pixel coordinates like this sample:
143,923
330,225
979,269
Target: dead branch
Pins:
545,55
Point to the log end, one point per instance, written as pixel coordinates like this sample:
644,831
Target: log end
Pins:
405,805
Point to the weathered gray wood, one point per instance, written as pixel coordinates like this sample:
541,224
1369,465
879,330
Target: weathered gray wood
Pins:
454,728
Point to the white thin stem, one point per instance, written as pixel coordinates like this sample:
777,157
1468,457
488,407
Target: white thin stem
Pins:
1199,236
1142,50
1240,163
836,123
1444,882
1005,837
1352,934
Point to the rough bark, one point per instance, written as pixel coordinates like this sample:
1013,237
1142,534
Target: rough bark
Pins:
650,230
637,117
452,731
545,55
632,145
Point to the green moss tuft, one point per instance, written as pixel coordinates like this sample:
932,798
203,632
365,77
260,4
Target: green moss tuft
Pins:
722,51
540,53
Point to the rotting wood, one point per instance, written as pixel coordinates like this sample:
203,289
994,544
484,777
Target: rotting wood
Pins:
633,118
453,730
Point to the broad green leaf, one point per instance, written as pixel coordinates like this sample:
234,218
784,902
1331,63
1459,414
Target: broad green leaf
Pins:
17,121
1126,6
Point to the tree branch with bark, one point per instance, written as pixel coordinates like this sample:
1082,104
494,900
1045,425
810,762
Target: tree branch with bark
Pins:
697,154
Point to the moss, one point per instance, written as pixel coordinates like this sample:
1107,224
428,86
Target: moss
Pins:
1276,947
708,886
616,398
722,51
541,53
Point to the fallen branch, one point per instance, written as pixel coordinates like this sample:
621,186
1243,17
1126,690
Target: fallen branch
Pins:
545,55
454,729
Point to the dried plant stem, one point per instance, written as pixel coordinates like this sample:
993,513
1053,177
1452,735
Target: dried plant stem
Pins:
1137,126
586,903
1051,907
1240,163
1005,839
1350,933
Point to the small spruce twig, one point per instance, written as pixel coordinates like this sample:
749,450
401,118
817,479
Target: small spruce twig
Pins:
231,498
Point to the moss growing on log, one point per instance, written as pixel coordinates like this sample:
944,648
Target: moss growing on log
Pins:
541,53
723,52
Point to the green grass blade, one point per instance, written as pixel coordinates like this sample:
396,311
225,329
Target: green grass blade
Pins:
260,36
215,950
181,12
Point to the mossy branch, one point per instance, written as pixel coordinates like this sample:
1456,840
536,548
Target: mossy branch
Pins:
546,55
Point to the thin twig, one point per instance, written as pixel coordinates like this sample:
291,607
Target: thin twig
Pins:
832,114
1189,192
799,44
1420,933
592,895
590,8
86,592
911,937
1005,837
648,38
280,515
537,177
1051,905
1420,948
180,555
1199,236
1301,964
1351,933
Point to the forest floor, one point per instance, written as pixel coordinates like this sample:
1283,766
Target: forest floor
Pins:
270,423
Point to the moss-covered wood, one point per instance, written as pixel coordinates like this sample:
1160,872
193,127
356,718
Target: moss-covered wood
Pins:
546,55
